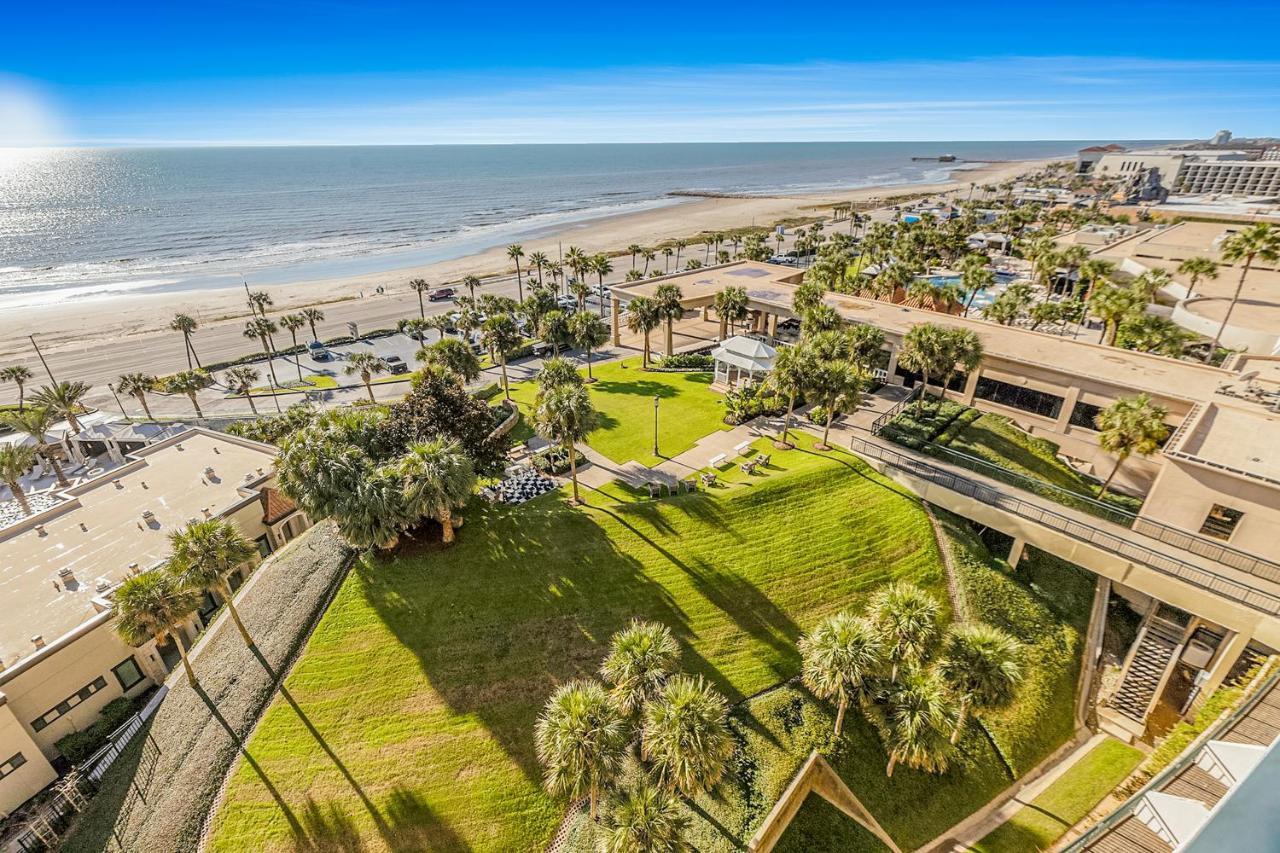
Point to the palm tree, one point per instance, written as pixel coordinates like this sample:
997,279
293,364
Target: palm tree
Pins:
1256,241
681,245
808,295
962,350
64,399
732,307
15,461
976,275
188,382
1092,272
918,717
641,658
649,257
420,286
792,373
589,332
923,352
980,665
416,328
906,618
1130,426
515,252
539,261
643,318
1113,305
313,316
555,330
186,324
292,323
454,356
840,655
839,385
581,740
667,297
242,379
576,260
667,252
601,266
685,736
263,329
633,250
367,365
438,478
153,605
19,375
564,414
138,384
557,371
204,554
36,421
471,282
581,290
501,334
259,302
646,819
1196,269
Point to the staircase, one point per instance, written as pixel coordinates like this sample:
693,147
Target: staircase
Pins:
1156,649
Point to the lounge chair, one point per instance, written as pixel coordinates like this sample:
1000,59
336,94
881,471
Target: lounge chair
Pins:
708,480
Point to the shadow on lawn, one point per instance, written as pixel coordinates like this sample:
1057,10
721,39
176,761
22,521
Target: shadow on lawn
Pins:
638,387
411,827
526,600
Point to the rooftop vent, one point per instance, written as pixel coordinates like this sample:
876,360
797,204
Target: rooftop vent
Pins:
208,471
148,515
118,484
207,513
40,531
84,527
65,572
133,568
142,483
179,445
215,449
103,585
38,641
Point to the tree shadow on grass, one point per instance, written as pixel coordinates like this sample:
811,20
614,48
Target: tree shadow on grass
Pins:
637,387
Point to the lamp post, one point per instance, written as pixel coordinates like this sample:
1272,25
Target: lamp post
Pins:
655,424
40,355
118,403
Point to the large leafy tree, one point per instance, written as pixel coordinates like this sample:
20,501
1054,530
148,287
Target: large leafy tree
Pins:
438,406
564,414
841,656
438,479
1261,241
454,357
555,330
203,554
646,819
589,333
15,461
581,740
36,421
906,618
641,658
980,665
137,385
1128,426
153,605
321,462
685,736
64,398
975,275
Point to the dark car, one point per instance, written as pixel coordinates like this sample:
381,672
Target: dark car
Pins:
396,364
318,352
440,294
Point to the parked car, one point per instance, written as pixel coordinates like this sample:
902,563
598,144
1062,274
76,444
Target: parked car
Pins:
542,349
317,351
440,294
396,364
567,303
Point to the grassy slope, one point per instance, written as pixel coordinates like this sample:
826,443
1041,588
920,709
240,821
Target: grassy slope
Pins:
428,671
623,394
1065,802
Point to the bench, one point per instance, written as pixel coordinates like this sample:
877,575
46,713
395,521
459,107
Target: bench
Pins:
717,460
740,449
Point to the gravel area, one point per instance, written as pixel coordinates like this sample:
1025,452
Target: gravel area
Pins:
286,597
11,512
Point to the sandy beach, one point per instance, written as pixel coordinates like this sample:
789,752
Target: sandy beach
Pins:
112,318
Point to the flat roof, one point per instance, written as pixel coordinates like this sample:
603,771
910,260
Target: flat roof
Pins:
1241,440
99,531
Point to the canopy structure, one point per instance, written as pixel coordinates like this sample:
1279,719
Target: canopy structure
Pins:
742,358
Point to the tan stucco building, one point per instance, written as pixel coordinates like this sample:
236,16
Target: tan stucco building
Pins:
60,658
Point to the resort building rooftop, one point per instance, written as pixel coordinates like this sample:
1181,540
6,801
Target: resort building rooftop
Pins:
1233,439
113,525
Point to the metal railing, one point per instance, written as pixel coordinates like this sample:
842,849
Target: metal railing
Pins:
1182,539
897,409
1082,531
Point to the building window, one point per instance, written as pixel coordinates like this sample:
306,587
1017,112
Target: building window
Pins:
12,764
1221,522
63,707
128,673
1017,397
1085,415
264,545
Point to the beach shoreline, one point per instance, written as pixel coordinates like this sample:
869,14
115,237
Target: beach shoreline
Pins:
110,317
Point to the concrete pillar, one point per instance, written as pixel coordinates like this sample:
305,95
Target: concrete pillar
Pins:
773,325
615,310
1233,645
890,378
706,313
1069,401
970,386
1015,552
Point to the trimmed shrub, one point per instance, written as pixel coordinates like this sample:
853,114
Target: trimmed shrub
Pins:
555,461
78,746
693,361
488,392
817,415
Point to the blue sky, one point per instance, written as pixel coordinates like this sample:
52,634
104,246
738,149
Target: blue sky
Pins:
344,72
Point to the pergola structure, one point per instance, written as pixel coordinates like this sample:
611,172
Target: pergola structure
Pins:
741,357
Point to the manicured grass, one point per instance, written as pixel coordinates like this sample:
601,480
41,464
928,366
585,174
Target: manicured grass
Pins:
427,673
316,382
1065,802
623,394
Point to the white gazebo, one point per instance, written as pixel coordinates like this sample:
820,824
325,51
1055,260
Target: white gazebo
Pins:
741,357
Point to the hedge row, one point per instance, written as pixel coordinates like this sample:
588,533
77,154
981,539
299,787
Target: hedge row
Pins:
78,746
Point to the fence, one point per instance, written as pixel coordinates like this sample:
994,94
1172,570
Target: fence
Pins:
74,790
1076,529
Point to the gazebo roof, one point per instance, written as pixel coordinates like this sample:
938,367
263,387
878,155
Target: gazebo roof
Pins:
745,353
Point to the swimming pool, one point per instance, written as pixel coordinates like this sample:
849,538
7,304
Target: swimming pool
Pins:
984,297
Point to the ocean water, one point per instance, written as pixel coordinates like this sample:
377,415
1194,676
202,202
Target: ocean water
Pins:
79,223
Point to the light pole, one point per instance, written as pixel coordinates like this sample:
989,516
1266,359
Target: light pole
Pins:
40,355
655,424
118,403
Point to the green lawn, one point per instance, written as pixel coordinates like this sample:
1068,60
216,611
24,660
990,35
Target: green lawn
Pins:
315,382
427,672
623,394
1065,802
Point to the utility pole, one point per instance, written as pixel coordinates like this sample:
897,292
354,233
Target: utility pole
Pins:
112,388
42,361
